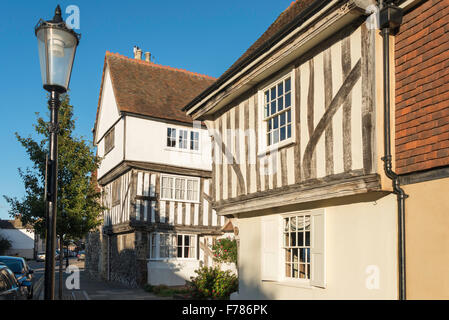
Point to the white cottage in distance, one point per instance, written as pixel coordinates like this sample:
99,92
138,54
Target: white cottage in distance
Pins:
155,175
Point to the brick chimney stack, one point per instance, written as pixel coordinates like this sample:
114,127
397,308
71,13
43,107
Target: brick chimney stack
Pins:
137,53
147,56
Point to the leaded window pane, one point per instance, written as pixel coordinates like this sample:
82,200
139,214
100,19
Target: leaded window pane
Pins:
280,104
288,101
280,89
273,107
287,85
283,133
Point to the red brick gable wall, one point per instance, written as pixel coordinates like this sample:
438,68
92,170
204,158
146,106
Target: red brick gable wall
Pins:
422,88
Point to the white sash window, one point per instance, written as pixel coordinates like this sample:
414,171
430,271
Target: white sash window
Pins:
180,188
293,248
182,139
165,246
277,113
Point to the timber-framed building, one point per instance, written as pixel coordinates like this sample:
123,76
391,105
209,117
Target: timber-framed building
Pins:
301,172
154,176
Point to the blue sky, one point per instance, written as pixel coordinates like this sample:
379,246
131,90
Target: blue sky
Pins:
200,36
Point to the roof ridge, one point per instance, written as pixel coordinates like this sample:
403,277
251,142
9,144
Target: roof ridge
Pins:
143,62
292,3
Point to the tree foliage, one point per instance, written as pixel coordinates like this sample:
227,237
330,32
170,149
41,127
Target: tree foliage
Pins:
78,199
5,245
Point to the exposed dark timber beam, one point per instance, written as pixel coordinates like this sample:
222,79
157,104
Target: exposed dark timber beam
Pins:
339,185
326,120
125,166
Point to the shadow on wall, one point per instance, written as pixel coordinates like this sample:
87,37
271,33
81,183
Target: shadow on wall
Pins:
171,273
123,266
250,288
22,243
93,254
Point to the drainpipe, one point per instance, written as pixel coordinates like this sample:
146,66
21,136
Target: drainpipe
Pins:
391,19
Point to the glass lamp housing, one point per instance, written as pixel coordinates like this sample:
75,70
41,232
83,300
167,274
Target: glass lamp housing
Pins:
57,47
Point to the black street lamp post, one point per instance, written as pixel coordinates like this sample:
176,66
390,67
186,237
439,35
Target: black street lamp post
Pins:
57,47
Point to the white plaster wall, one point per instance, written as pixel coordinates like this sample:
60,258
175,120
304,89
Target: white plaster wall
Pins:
358,235
108,107
20,238
115,156
171,273
146,140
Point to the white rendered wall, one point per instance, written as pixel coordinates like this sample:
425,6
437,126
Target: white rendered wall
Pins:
108,108
146,140
172,272
108,116
360,237
115,156
22,242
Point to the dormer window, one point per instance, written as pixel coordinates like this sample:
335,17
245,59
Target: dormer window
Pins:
183,139
109,141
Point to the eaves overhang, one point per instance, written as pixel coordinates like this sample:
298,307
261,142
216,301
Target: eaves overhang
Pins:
315,24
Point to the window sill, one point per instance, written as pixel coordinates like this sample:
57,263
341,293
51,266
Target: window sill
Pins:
284,144
183,201
108,152
183,150
173,260
295,284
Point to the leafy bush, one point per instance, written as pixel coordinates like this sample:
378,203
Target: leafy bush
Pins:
212,283
225,250
159,289
5,245
148,288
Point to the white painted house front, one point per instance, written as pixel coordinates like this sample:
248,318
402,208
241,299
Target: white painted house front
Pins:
155,175
24,242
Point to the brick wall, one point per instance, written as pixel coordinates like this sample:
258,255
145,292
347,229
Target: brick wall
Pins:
422,88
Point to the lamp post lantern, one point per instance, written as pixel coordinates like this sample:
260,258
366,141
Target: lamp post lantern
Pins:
57,47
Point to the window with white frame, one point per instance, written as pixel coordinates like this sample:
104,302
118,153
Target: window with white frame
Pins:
171,137
183,139
194,140
179,188
173,246
278,109
296,246
293,247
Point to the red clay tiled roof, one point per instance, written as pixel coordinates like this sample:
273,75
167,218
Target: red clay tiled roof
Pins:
149,89
228,227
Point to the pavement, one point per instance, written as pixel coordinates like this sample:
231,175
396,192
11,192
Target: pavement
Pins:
89,289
